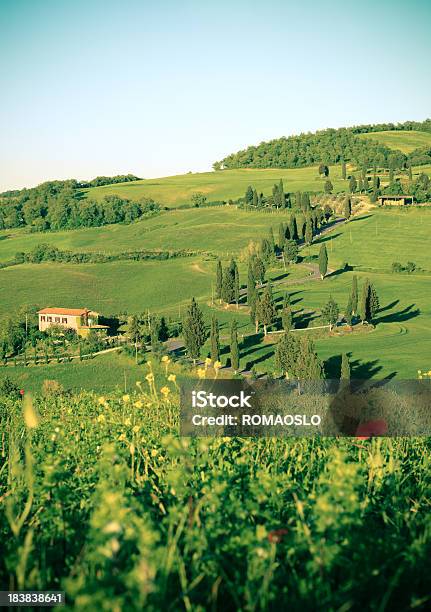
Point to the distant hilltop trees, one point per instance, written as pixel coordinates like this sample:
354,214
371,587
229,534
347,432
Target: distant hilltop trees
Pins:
329,147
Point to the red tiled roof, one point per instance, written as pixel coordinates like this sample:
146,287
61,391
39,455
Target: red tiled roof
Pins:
74,312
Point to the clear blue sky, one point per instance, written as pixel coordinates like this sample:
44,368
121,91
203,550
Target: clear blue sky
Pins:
162,87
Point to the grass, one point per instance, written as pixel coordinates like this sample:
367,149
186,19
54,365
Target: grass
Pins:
221,230
222,185
403,140
103,500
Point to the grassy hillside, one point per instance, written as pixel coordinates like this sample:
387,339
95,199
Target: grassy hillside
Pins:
222,185
220,229
403,140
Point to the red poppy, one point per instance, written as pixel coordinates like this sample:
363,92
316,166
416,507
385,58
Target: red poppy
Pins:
21,391
277,535
371,428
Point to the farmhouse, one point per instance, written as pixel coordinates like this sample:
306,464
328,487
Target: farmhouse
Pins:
396,200
81,320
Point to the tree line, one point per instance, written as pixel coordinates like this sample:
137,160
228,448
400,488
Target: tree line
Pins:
328,146
60,205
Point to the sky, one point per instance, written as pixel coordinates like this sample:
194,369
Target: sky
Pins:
158,88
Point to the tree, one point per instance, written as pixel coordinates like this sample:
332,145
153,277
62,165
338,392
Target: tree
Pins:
328,186
290,253
271,239
391,176
194,330
349,311
354,294
308,232
286,355
236,285
215,339
410,173
249,196
265,309
330,312
228,286
255,199
352,184
347,208
308,364
281,236
198,199
374,303
343,170
293,231
281,193
345,367
219,280
364,309
323,261
258,269
234,348
287,318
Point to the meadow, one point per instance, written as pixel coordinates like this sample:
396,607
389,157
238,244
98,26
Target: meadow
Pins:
221,185
99,497
403,140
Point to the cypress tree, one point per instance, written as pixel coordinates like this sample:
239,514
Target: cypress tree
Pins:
265,309
281,236
373,299
410,173
366,184
345,367
286,354
287,318
352,184
251,283
323,261
330,312
328,186
308,364
271,239
391,176
215,340
255,201
228,287
236,285
234,348
194,330
349,311
364,308
219,280
249,196
293,230
281,194
290,252
360,185
354,295
347,208
308,232
258,269
343,170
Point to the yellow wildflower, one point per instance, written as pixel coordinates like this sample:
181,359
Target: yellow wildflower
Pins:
172,378
208,361
30,415
126,398
165,359
135,429
101,418
102,400
138,404
201,373
165,391
150,377
217,365
127,421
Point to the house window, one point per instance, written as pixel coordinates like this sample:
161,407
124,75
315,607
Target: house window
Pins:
57,319
42,318
49,319
64,320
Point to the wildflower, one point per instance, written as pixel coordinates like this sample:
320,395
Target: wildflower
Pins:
101,400
101,418
172,378
112,527
150,377
126,398
135,429
201,373
165,391
127,421
208,361
138,404
132,449
165,359
217,365
122,437
138,383
154,452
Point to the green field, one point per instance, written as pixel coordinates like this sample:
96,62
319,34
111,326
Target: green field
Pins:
222,185
221,230
403,140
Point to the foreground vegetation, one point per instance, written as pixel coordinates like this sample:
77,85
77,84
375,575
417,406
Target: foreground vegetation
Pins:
99,497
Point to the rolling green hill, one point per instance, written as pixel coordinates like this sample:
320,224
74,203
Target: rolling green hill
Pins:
403,140
222,185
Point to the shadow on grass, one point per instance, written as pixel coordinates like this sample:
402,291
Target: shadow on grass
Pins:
408,313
